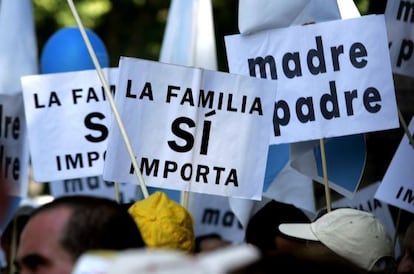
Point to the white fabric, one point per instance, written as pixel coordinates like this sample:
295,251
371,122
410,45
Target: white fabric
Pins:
160,261
260,15
189,38
18,48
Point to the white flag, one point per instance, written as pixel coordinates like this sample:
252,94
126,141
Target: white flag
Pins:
18,48
189,38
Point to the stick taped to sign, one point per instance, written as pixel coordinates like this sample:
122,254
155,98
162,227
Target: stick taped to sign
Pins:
406,129
111,100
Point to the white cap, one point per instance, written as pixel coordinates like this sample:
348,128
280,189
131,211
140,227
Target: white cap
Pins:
352,234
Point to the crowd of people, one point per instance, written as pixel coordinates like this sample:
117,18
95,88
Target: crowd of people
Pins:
53,237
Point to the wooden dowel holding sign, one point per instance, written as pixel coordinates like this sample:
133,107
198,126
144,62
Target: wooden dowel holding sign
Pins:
110,98
405,127
325,176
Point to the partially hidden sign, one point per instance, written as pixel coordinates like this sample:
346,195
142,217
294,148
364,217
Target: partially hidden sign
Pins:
14,147
191,129
397,186
333,78
399,19
68,118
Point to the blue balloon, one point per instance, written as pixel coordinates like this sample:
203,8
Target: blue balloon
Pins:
66,51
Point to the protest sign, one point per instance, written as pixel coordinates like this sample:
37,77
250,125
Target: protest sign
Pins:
212,214
68,123
95,186
333,78
399,19
14,150
191,129
397,186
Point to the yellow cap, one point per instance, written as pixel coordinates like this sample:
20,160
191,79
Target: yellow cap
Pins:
163,222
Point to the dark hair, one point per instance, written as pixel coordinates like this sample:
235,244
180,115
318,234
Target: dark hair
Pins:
263,226
95,223
199,239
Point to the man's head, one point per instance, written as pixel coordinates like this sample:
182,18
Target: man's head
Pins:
57,233
406,262
262,229
209,242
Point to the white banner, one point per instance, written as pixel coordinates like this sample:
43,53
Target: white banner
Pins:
397,186
14,147
68,120
212,214
191,129
399,20
333,78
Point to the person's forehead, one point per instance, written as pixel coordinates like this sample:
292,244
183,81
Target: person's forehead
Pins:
51,221
42,234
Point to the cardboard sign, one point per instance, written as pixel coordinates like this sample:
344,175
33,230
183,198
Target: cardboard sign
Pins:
14,147
95,186
399,20
68,123
212,214
397,186
333,78
191,129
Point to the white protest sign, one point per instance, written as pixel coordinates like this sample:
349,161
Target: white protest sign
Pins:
95,186
14,147
397,186
364,200
191,129
333,78
68,120
212,214
399,20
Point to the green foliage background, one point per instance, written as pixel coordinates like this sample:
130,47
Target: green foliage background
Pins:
133,27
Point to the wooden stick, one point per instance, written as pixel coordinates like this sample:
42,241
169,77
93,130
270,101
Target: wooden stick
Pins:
325,176
406,130
397,224
109,95
184,199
